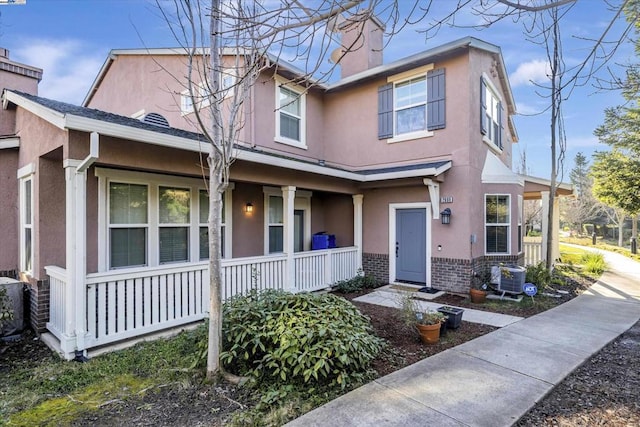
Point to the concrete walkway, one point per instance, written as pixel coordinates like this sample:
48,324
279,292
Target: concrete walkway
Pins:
495,379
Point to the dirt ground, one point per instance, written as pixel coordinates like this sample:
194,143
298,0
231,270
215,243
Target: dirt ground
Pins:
604,391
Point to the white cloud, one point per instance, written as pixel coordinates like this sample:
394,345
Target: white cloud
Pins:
69,67
536,71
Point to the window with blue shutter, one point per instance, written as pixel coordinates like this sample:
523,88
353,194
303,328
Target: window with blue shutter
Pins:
413,105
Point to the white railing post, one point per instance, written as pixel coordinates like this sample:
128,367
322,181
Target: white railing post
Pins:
357,228
328,268
288,200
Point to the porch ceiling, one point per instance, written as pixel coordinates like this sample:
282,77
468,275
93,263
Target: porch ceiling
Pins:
534,187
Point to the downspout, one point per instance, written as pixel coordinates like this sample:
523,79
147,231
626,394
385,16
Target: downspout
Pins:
80,249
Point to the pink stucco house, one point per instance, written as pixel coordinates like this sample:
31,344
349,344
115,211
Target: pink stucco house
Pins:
108,221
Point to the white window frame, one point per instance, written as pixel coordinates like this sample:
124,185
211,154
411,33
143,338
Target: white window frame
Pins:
154,181
128,225
520,216
493,100
162,225
26,175
302,201
404,77
498,224
302,97
226,226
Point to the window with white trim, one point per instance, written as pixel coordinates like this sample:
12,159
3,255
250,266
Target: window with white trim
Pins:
174,218
26,225
275,224
410,105
128,223
148,219
520,214
290,115
491,113
497,220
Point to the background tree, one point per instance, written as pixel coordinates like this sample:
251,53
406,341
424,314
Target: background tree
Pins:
615,183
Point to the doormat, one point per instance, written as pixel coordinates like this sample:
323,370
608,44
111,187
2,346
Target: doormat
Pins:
427,290
405,288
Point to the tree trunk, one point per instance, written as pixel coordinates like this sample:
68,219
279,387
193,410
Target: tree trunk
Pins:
217,185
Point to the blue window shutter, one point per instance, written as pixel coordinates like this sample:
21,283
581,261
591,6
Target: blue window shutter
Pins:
483,107
385,111
435,99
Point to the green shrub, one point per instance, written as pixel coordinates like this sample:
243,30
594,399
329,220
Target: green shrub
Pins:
359,282
301,338
594,263
538,275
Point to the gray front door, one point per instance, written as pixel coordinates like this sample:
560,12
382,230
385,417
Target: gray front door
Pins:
411,254
298,230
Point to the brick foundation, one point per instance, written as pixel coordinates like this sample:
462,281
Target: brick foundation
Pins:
447,274
39,304
376,265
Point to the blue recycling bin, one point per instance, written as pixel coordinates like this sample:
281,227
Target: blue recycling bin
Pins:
323,241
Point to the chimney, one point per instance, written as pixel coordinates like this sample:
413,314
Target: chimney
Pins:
4,53
361,43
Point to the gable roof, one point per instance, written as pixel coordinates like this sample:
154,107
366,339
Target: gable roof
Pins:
430,55
68,116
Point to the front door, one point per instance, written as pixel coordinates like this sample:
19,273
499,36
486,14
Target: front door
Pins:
411,254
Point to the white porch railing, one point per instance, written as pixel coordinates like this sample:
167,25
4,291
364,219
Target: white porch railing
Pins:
532,250
320,269
128,303
57,295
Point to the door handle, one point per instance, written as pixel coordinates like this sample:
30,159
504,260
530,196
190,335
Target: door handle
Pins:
397,249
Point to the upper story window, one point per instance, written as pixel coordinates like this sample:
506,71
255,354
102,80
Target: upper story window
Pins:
410,109
497,220
412,104
290,115
490,113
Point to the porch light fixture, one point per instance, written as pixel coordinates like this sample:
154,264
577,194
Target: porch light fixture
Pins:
445,215
248,208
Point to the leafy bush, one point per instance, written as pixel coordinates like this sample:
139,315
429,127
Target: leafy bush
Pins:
594,262
361,281
539,275
278,336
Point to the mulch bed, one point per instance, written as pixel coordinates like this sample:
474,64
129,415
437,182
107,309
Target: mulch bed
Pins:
604,391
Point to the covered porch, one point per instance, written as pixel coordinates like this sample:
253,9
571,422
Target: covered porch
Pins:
535,248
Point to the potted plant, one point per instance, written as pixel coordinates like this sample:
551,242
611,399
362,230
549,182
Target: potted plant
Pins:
427,322
478,290
453,314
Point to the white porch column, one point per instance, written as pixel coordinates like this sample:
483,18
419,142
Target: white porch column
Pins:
545,222
75,236
357,228
288,201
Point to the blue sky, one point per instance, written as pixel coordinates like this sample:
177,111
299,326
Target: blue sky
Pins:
70,40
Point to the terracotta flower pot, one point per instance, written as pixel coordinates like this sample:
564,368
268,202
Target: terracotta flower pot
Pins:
478,296
430,334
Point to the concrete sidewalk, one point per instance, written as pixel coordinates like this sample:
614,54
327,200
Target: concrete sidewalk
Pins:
495,379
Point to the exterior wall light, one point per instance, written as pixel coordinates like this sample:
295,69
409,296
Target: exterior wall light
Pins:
248,208
445,215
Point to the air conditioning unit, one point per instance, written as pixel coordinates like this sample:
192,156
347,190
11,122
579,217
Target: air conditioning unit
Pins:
508,279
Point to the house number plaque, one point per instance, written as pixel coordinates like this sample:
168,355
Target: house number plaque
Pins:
446,199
